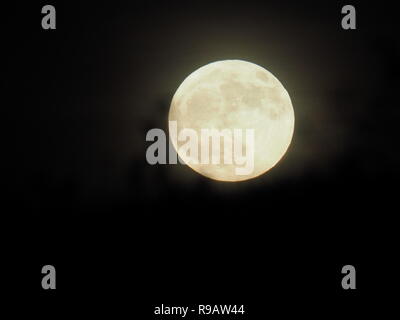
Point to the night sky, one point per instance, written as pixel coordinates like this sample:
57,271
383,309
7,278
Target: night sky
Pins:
123,234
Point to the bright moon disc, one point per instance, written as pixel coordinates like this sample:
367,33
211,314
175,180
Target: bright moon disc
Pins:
234,94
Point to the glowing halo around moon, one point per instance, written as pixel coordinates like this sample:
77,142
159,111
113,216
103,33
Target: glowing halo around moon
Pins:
235,94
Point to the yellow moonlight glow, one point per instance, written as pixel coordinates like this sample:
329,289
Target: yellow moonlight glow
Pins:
235,94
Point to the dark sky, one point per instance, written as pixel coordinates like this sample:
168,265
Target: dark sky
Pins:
80,100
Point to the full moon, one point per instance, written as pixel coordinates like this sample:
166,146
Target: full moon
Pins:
234,94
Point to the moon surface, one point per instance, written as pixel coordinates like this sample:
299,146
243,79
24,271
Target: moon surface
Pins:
234,94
